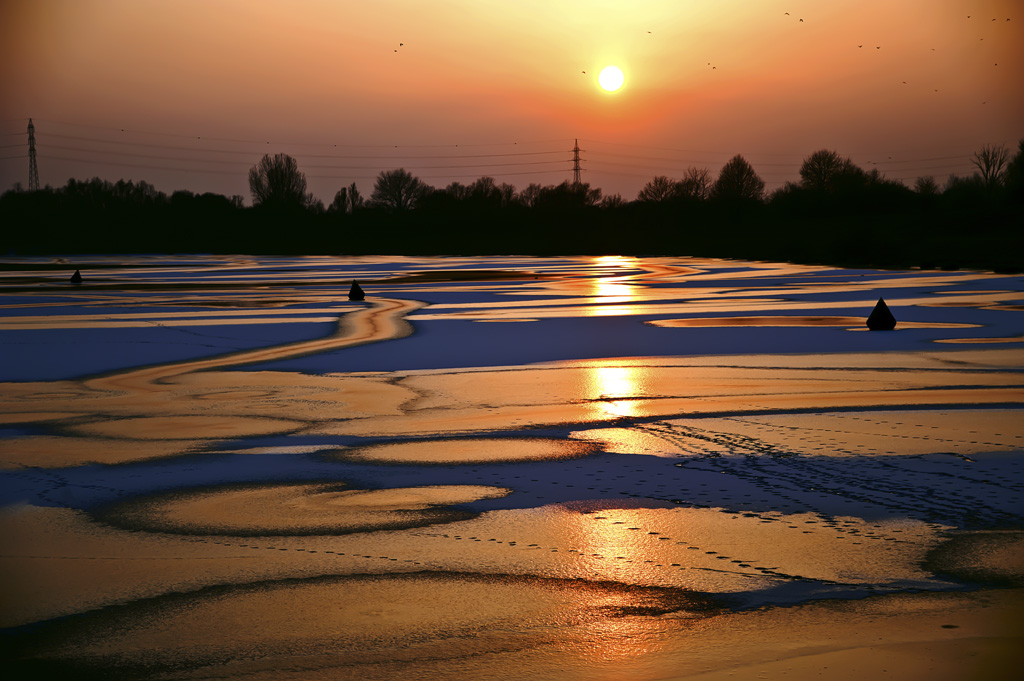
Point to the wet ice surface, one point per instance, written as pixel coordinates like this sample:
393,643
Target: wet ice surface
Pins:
558,309
552,446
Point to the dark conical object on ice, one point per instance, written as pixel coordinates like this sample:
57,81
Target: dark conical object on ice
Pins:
880,318
76,278
355,293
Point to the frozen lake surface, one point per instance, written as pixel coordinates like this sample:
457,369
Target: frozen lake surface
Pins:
533,464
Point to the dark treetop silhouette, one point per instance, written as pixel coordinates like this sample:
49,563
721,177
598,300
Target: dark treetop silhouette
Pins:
276,182
836,214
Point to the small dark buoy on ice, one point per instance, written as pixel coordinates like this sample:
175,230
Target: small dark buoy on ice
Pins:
880,318
76,278
355,293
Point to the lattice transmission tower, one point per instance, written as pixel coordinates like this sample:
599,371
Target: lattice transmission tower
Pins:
33,169
576,163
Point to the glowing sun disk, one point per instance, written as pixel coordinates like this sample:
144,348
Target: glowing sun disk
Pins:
611,78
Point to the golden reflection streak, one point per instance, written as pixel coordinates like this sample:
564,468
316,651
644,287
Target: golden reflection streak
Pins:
696,306
617,388
383,320
613,287
615,553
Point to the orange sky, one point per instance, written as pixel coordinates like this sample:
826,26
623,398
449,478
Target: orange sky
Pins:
199,88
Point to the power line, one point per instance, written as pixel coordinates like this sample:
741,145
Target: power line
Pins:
244,164
141,166
681,151
250,153
311,176
196,157
445,176
143,155
303,144
453,167
730,153
323,176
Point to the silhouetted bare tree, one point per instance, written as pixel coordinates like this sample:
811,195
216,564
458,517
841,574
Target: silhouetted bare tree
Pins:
347,200
957,183
340,202
397,190
457,191
824,171
528,197
738,181
696,183
486,193
659,188
990,161
926,186
613,201
277,181
565,196
1014,174
355,199
509,195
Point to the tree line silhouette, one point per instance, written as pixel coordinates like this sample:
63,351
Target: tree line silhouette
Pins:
837,213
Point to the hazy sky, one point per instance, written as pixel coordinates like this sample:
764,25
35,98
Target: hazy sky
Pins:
188,94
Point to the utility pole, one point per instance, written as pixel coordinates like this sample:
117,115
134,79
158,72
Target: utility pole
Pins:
33,170
576,164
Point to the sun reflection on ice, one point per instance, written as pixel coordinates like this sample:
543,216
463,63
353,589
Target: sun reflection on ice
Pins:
612,289
611,549
619,639
618,388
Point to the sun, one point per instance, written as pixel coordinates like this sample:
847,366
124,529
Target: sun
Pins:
611,78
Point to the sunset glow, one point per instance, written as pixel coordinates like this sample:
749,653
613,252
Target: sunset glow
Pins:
190,94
